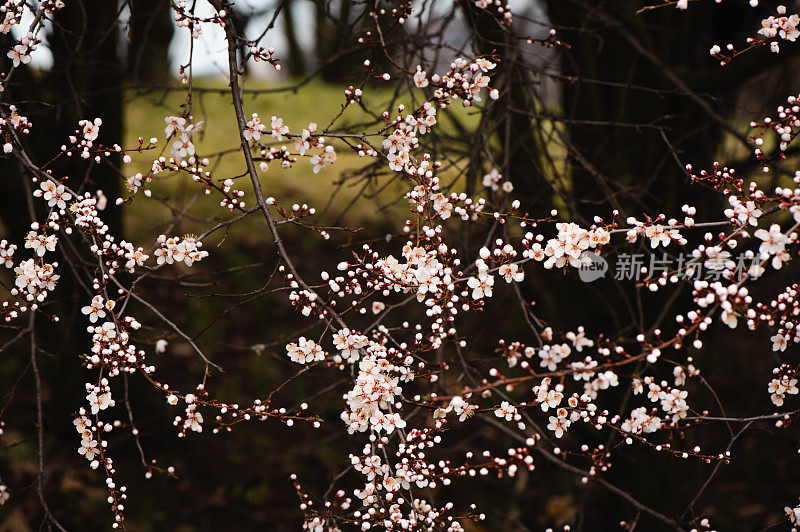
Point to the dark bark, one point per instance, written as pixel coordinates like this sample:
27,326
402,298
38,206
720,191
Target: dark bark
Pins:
86,82
240,21
150,34
619,128
296,60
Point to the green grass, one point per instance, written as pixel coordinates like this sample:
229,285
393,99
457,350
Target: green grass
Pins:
219,141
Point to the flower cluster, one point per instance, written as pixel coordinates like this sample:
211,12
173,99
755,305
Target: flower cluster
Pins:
305,351
175,249
182,131
370,402
21,52
786,383
255,128
349,346
569,247
781,26
35,279
14,124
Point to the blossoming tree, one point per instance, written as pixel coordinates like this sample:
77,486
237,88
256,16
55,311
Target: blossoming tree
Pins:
451,349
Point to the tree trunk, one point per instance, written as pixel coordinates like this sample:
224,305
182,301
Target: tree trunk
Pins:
86,82
150,35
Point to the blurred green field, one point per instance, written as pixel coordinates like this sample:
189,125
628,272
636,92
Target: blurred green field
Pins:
331,191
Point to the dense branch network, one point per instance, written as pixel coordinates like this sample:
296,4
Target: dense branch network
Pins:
395,319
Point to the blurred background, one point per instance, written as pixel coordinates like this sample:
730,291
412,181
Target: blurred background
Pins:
605,123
